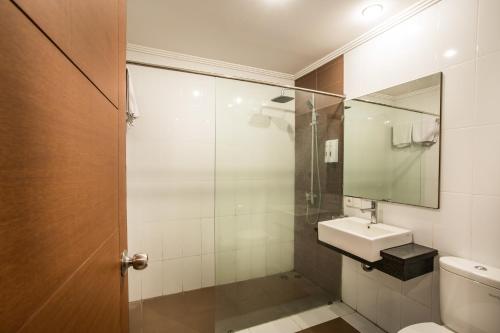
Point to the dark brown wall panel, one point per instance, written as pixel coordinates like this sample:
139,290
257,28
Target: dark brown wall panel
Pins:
58,171
87,31
317,263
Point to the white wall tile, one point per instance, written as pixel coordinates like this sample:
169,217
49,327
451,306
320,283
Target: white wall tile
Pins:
488,26
418,220
486,229
458,97
488,85
172,240
286,256
456,161
243,264
258,261
225,267
134,285
457,31
191,273
486,179
419,289
152,280
367,297
207,270
413,312
452,232
172,276
349,287
191,237
152,241
388,309
207,235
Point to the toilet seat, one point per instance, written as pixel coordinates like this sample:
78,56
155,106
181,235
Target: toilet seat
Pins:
425,328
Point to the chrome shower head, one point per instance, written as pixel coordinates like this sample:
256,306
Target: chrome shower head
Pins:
283,98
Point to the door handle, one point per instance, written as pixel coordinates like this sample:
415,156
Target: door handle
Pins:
138,261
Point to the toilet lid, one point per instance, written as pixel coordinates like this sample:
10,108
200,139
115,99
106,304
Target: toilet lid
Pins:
425,328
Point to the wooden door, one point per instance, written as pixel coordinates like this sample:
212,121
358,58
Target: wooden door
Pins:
62,166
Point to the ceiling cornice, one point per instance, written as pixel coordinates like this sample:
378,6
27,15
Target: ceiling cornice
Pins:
379,29
206,61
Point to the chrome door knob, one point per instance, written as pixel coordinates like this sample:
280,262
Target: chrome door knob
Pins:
138,261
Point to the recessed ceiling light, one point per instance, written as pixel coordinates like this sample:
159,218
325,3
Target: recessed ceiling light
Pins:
373,11
450,53
239,100
196,93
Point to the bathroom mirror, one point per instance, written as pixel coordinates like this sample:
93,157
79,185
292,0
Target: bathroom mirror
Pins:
392,144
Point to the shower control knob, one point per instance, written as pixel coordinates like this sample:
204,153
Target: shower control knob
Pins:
138,261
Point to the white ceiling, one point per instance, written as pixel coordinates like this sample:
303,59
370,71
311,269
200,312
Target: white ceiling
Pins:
278,35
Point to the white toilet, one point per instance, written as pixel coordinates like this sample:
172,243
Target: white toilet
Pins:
470,299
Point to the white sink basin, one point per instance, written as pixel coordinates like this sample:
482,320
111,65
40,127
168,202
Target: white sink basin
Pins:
357,236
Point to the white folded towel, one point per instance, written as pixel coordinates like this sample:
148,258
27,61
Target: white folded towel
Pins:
426,131
401,135
132,107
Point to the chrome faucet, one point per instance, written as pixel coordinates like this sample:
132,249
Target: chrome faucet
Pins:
373,210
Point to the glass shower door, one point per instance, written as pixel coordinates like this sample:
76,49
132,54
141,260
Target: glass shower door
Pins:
263,222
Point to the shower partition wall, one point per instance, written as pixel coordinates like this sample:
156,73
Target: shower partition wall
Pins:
212,198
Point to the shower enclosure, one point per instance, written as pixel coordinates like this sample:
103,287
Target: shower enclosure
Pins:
226,181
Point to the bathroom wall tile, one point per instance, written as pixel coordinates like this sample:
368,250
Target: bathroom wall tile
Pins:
286,256
457,31
486,179
225,233
387,281
388,309
152,280
207,270
436,304
485,230
456,161
134,285
152,241
413,312
191,237
273,264
225,267
488,27
134,238
349,286
207,235
401,54
225,192
455,219
172,276
488,85
191,273
207,199
367,297
418,220
244,231
243,264
258,261
172,242
459,95
419,289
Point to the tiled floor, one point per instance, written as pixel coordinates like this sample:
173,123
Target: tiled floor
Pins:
276,304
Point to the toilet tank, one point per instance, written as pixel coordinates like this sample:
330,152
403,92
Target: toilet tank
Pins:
470,296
